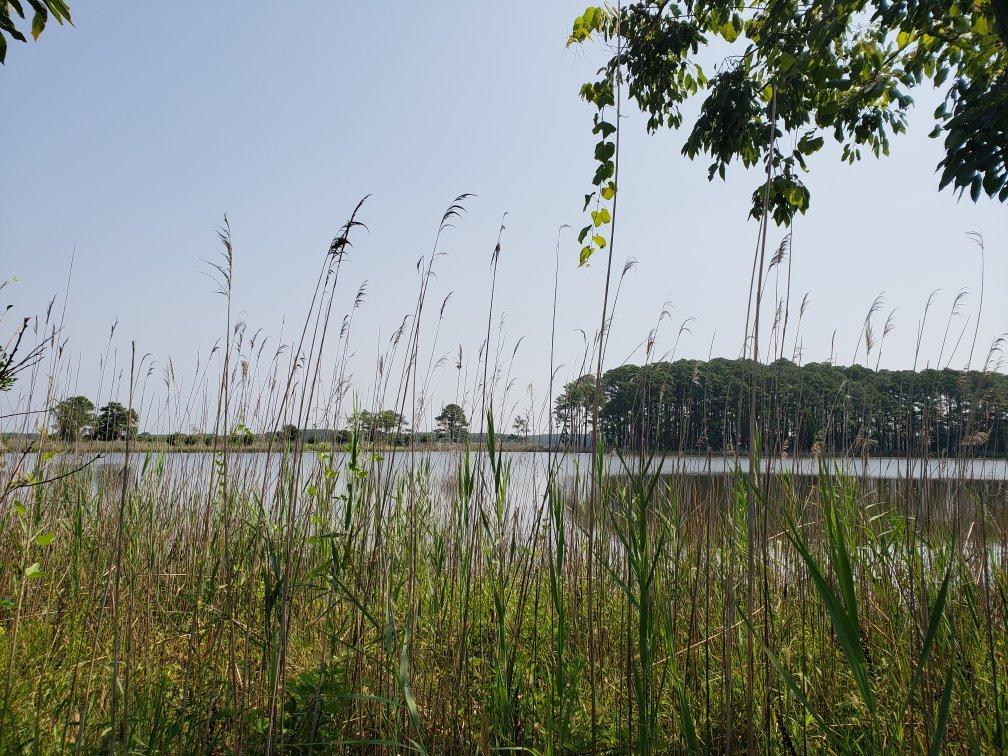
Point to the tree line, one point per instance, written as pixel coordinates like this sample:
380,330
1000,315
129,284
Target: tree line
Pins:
694,406
76,419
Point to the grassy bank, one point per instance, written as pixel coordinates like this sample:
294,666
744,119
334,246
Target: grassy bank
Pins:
235,607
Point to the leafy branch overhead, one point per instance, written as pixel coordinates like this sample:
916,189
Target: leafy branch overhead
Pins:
792,75
41,11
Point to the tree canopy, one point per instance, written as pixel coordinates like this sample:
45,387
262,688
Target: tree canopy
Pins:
823,69
695,406
74,417
385,424
452,422
14,359
114,422
41,11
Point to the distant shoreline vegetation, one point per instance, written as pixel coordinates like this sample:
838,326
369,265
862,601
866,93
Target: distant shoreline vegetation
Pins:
689,407
205,443
696,406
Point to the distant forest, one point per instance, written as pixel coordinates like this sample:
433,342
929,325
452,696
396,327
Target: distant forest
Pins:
693,406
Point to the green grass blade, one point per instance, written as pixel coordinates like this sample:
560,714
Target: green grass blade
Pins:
941,726
846,631
934,621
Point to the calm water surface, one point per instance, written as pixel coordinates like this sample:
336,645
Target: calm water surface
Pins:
533,465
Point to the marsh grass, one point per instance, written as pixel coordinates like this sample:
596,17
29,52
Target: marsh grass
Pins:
352,597
873,647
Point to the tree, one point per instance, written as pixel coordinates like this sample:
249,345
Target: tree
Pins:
290,434
6,375
573,411
390,424
521,426
10,363
74,416
821,69
452,422
58,9
693,406
363,421
115,422
243,435
374,425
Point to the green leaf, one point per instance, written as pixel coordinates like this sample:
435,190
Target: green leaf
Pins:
975,187
604,151
44,539
609,191
604,172
586,252
809,144
39,21
60,10
578,33
599,241
592,20
34,570
601,217
729,31
603,127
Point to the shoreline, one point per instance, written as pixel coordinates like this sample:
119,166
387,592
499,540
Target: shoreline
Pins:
146,447
143,446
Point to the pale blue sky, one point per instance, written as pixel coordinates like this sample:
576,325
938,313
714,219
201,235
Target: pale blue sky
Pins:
132,134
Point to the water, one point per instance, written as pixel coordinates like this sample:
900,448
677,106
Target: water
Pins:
531,463
949,491
701,489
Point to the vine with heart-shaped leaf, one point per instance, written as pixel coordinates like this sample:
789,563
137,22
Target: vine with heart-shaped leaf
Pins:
599,93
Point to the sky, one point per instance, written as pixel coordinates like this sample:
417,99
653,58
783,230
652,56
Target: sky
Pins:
129,136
